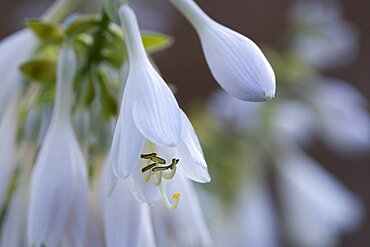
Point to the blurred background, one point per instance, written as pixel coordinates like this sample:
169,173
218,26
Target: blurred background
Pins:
338,48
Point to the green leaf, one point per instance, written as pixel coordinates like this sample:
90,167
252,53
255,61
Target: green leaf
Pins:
45,31
39,70
154,42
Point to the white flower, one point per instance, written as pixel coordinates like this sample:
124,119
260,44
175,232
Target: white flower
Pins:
317,206
14,50
235,61
322,36
8,132
59,186
343,118
185,227
150,115
255,219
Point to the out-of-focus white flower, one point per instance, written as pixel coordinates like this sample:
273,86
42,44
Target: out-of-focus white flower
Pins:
14,50
343,118
59,201
317,206
235,61
8,131
150,115
14,230
323,37
255,216
185,226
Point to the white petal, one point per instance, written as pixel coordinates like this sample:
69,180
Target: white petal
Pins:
344,119
155,110
127,142
256,217
14,50
315,202
143,192
122,214
236,62
192,163
187,226
58,189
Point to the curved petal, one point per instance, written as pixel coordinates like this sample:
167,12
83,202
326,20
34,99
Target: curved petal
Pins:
127,141
156,112
192,162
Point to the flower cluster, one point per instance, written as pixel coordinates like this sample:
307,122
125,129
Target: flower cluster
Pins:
100,169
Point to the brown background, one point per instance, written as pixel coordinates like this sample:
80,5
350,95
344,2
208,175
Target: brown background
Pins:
265,21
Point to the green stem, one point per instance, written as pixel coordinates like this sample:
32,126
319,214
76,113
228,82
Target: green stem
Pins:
59,10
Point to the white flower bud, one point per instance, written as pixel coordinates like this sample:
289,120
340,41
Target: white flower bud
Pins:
235,61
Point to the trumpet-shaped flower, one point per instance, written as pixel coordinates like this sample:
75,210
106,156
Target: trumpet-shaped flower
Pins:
344,119
235,61
315,202
59,185
14,50
151,128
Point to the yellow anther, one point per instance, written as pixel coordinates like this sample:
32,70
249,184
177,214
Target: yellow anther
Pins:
158,160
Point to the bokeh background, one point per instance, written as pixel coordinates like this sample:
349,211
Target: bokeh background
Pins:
267,23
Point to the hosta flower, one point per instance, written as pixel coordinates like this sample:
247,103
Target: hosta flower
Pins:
153,137
59,186
314,202
343,118
14,50
8,131
322,35
236,62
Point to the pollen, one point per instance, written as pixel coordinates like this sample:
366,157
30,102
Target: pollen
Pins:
176,196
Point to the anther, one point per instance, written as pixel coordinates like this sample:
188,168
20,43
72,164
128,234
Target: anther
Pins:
148,167
148,156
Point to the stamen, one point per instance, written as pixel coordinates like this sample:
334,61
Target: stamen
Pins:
146,168
169,175
158,160
175,197
146,177
158,181
174,163
148,156
160,168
